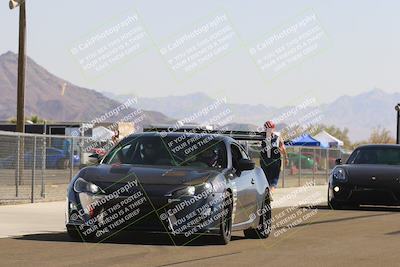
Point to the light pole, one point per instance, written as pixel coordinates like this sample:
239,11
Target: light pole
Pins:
20,127
398,124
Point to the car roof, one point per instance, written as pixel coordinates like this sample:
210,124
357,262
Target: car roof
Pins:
217,137
380,146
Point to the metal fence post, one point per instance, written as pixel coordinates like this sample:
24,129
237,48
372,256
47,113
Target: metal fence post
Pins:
33,171
71,164
17,172
21,155
327,164
315,166
300,166
283,173
42,189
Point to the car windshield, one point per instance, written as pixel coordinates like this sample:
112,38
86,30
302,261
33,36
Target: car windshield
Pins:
182,150
386,156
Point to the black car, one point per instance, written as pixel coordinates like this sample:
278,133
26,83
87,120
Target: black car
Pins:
371,176
178,183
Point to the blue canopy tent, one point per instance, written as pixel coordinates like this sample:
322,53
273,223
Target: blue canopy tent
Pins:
304,140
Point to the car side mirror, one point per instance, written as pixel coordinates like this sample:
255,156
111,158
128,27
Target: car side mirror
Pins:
246,165
338,161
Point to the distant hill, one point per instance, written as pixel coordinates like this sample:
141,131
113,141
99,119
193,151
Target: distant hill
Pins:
44,96
358,113
245,116
363,112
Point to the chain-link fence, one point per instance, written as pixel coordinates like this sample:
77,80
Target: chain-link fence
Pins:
38,167
305,164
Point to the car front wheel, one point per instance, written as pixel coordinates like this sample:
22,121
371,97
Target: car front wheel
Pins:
332,203
264,226
77,235
226,221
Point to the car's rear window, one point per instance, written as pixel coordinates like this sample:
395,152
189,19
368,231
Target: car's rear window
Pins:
386,156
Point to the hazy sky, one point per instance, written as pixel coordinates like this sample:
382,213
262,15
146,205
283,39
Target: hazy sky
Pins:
362,52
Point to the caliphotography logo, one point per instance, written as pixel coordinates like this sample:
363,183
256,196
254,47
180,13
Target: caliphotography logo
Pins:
199,45
289,45
111,44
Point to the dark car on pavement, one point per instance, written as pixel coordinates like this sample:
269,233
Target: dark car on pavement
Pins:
371,176
183,184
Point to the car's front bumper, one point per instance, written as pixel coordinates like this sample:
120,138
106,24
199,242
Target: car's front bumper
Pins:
185,215
344,192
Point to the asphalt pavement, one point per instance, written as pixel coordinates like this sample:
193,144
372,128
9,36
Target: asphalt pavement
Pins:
302,236
365,237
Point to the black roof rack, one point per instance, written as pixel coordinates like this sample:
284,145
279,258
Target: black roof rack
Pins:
237,135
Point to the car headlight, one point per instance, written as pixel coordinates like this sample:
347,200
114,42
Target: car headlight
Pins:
339,174
83,186
193,190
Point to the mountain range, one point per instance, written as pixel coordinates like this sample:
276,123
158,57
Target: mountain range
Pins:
360,113
55,99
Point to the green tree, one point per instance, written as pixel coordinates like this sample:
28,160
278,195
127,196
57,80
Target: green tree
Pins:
381,135
34,118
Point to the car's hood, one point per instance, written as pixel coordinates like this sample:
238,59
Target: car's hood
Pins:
373,174
371,169
148,177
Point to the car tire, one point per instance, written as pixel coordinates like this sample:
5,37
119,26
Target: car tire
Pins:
225,227
75,234
333,204
264,226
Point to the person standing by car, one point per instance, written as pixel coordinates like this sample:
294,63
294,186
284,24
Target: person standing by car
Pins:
67,148
64,163
273,148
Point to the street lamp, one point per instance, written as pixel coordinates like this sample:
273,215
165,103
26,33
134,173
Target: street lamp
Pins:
397,108
15,3
20,127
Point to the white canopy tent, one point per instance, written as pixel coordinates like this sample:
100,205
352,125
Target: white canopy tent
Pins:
101,133
328,140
